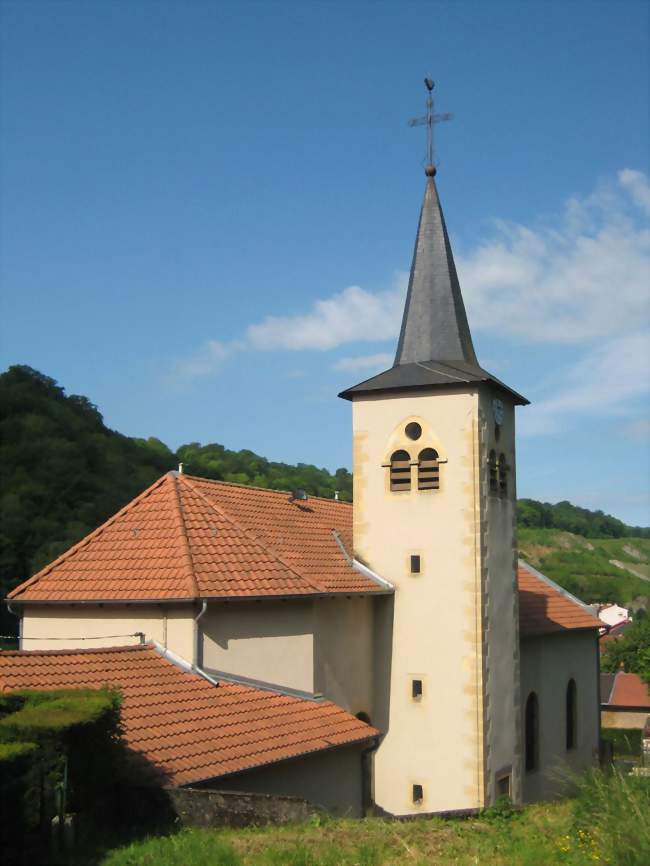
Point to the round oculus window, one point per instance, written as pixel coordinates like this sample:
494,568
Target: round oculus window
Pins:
413,430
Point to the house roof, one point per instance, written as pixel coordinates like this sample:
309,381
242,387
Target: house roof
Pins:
185,538
606,685
179,727
545,608
628,691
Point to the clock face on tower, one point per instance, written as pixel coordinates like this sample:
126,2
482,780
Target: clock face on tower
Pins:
497,411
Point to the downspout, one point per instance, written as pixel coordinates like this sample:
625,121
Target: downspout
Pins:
20,624
197,660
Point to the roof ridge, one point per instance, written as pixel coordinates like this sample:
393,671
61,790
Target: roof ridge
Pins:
559,589
178,509
76,651
219,481
248,533
86,539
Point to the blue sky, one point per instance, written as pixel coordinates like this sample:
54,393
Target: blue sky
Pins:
209,211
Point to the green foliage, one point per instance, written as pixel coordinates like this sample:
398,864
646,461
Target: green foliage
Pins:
631,651
627,741
14,751
571,518
608,824
56,711
585,567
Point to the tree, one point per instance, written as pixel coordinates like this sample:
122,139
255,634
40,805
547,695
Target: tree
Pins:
631,651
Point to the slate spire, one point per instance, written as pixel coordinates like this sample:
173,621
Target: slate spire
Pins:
434,326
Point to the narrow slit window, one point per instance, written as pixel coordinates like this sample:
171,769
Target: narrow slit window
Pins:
428,470
400,471
531,733
503,475
416,689
571,715
415,564
418,793
493,472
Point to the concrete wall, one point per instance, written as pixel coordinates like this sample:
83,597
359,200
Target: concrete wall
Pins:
500,603
270,641
204,807
547,665
331,780
435,631
172,626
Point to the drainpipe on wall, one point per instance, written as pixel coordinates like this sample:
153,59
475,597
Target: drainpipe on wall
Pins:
20,624
197,660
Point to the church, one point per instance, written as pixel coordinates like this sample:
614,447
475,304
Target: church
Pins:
386,657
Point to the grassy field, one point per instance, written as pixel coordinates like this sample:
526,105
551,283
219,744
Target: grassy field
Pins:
608,824
594,569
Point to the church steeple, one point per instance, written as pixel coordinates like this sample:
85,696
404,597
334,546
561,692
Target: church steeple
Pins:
434,326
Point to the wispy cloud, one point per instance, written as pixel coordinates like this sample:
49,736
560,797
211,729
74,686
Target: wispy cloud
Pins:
579,279
606,381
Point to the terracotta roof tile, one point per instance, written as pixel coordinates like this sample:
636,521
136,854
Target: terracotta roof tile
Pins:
629,691
187,537
544,607
178,726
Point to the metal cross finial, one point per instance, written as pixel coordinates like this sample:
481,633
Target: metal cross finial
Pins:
428,120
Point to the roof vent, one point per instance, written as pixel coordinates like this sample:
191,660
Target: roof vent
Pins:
299,495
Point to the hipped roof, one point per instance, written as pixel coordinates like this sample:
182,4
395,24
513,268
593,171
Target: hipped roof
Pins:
180,728
186,538
546,608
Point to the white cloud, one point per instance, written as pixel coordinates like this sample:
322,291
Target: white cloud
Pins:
606,381
582,277
351,316
365,362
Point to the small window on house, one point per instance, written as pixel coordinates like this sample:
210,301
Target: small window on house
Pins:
416,689
571,715
493,472
400,471
503,475
428,470
531,733
418,793
415,564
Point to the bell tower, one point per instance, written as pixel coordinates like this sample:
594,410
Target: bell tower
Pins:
434,513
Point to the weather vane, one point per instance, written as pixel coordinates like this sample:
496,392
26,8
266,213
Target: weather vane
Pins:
429,120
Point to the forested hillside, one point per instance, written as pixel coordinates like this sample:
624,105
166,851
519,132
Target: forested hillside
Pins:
63,472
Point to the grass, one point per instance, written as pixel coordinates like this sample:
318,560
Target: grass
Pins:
607,824
585,566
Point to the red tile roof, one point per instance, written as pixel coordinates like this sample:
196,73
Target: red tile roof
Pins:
544,607
186,538
179,727
629,691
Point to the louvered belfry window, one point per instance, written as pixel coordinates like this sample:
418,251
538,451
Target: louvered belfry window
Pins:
428,470
494,472
503,475
400,471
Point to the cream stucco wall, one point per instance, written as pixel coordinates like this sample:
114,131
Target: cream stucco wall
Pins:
65,627
343,652
635,719
436,633
547,665
269,641
322,645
